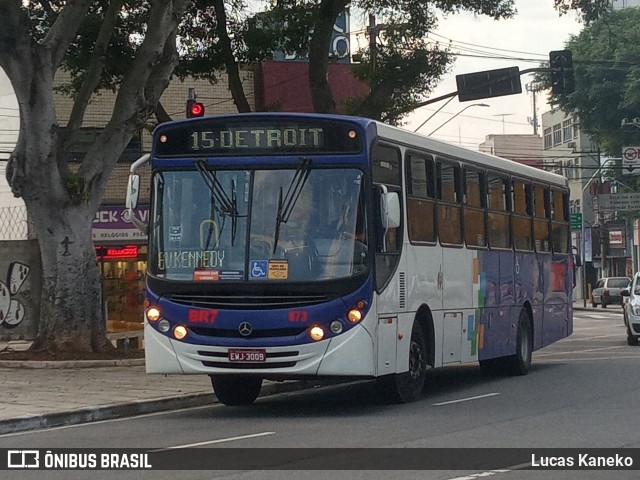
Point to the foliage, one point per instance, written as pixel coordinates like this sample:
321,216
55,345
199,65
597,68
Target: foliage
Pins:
607,77
590,9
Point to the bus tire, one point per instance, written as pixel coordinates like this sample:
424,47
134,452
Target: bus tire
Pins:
519,363
407,387
235,390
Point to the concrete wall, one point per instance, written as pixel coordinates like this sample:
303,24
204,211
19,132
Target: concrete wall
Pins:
20,289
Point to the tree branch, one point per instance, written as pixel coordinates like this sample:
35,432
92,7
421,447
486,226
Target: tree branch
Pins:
92,79
64,30
235,84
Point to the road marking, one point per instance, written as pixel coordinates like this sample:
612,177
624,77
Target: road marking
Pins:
588,359
211,442
489,473
468,399
574,352
475,476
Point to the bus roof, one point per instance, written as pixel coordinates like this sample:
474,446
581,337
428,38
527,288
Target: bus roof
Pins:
411,140
481,159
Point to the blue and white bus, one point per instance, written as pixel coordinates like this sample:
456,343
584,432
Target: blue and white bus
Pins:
293,246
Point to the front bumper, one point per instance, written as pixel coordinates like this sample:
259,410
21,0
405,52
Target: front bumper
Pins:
349,354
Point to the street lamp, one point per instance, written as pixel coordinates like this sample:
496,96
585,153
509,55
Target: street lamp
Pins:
454,116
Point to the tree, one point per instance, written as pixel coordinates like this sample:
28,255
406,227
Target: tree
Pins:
404,66
590,9
607,79
34,39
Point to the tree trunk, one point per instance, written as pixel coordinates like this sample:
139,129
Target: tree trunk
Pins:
71,315
321,95
235,83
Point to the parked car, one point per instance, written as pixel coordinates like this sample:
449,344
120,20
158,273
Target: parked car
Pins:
632,310
607,291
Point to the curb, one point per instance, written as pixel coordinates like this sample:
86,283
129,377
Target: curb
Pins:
130,409
34,364
105,412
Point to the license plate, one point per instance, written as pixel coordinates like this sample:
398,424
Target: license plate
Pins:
248,356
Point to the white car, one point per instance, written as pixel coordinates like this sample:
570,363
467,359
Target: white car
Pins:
607,291
631,310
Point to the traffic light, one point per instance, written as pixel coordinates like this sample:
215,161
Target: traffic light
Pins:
561,65
194,109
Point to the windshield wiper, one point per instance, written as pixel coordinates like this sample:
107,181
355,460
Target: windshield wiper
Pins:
286,203
228,205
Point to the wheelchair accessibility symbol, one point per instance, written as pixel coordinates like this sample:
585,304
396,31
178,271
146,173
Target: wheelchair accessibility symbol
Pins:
258,269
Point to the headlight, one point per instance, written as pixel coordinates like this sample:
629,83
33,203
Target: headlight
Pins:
153,314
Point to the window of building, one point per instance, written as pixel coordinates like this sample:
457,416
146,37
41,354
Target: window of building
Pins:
85,138
548,142
557,134
567,130
575,127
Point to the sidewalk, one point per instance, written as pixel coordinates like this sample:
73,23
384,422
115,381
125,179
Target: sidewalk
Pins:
46,394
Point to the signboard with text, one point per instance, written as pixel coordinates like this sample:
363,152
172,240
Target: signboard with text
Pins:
618,202
112,224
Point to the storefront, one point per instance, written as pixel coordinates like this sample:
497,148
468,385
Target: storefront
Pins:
122,257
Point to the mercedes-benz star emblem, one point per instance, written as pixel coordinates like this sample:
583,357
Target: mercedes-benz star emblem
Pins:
245,329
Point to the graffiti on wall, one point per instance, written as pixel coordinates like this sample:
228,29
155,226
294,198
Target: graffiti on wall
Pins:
12,311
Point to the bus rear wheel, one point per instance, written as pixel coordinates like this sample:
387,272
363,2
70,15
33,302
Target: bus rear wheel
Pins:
407,387
519,363
234,390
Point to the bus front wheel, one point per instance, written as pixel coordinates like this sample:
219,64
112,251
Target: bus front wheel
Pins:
234,390
407,387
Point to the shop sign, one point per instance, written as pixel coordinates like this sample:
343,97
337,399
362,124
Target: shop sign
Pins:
107,253
112,223
616,238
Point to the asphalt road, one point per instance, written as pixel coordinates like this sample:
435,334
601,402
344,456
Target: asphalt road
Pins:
580,393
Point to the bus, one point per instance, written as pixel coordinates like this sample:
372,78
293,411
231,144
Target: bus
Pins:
294,246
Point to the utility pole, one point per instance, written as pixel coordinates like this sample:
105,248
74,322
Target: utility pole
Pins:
534,88
373,40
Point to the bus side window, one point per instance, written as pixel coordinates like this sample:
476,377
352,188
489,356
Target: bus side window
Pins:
542,214
386,171
560,221
385,162
521,219
474,203
449,203
498,215
421,198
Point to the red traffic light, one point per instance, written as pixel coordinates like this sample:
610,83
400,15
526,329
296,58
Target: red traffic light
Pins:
194,109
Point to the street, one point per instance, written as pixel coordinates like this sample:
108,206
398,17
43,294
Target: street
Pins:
580,393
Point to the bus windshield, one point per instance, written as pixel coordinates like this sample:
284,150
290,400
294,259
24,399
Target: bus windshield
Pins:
296,225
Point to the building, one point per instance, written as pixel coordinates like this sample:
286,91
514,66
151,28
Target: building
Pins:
525,149
570,152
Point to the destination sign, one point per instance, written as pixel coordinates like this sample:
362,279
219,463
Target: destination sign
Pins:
262,136
258,138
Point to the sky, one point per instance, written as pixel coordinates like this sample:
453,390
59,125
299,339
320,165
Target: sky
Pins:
523,41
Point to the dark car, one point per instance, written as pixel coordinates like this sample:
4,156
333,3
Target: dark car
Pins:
607,291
